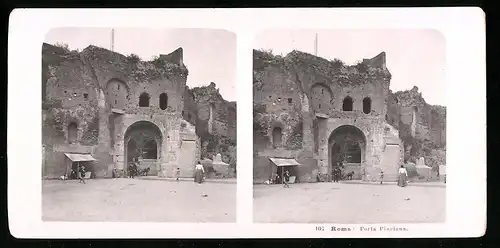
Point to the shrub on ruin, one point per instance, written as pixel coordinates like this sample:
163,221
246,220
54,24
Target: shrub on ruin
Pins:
337,63
63,46
268,57
361,67
133,58
156,61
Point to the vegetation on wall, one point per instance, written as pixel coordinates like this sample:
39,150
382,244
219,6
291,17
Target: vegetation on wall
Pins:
263,58
91,135
337,63
133,58
415,148
294,142
169,68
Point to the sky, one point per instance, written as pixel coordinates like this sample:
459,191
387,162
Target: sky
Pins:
414,57
209,54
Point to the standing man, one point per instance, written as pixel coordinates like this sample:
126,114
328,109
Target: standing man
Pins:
81,169
286,178
198,173
132,169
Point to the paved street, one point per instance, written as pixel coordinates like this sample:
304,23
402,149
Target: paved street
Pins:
138,200
346,203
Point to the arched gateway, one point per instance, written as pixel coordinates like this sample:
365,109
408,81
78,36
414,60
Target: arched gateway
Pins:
346,147
142,142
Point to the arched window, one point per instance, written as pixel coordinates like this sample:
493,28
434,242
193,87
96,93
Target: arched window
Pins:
347,104
163,101
144,100
277,137
72,133
367,105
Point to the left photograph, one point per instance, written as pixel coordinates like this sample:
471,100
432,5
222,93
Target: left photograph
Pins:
139,125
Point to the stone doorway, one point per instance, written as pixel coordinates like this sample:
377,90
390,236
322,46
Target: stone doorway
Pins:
346,147
143,142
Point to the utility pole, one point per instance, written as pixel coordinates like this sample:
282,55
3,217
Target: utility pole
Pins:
316,45
112,40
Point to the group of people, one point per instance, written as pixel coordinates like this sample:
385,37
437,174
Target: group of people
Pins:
200,171
78,173
285,181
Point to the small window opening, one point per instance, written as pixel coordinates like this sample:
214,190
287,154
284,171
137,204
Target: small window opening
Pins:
118,87
367,105
65,92
319,106
347,104
182,112
115,102
322,91
144,100
85,95
163,101
289,100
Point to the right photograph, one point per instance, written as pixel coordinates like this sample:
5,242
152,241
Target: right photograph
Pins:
349,126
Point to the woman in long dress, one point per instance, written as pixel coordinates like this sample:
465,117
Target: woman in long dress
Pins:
198,172
403,177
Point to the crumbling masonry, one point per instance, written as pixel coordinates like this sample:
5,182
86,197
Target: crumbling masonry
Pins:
118,107
323,113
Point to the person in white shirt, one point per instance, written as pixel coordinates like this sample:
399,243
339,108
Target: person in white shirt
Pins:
403,177
198,172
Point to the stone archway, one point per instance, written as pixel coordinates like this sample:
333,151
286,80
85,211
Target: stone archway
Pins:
347,146
143,141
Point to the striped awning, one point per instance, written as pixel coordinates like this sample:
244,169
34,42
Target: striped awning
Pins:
284,161
78,157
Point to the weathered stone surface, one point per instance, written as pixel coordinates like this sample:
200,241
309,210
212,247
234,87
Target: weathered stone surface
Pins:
219,166
303,97
422,128
175,57
215,123
99,91
424,171
421,161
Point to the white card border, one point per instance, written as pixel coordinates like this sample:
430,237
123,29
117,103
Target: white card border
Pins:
463,28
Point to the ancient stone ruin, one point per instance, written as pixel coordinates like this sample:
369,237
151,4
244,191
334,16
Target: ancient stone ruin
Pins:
119,108
323,114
